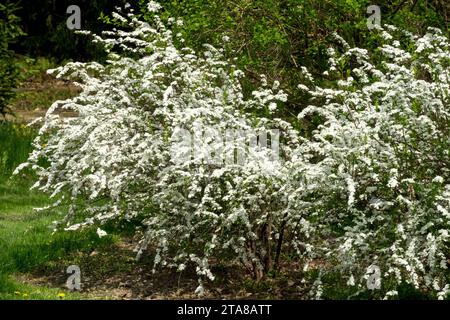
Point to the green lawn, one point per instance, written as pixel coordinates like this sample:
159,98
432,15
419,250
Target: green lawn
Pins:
26,239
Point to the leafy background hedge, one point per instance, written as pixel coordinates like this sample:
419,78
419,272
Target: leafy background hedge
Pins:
10,30
274,37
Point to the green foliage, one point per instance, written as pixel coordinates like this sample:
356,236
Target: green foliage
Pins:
9,31
45,23
35,68
9,24
15,145
278,37
39,90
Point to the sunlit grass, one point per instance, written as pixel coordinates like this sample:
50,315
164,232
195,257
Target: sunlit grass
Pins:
11,289
27,240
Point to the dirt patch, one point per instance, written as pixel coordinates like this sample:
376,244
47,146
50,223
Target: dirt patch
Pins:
113,273
37,94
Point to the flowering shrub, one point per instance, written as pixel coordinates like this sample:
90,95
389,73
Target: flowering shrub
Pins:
118,157
375,177
369,188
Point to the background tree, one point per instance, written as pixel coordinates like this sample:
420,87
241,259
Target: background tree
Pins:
10,30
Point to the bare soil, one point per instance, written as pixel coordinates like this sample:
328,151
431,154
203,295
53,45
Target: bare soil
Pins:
113,273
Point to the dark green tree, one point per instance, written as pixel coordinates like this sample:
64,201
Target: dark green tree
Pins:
10,30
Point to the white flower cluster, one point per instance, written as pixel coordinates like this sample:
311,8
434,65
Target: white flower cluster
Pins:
114,159
376,174
371,187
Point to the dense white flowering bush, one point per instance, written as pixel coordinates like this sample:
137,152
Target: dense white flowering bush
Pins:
120,157
375,177
149,137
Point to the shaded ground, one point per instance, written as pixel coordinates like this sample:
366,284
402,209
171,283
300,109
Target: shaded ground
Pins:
37,94
113,273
